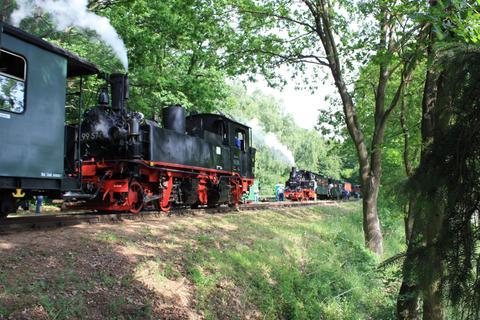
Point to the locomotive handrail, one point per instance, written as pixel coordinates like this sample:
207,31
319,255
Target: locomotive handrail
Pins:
79,139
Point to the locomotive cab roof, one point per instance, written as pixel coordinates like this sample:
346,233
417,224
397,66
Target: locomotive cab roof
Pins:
76,66
214,117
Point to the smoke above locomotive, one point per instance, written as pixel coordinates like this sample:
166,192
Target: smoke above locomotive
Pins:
270,140
73,13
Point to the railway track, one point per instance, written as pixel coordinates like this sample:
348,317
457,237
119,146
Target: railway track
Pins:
26,223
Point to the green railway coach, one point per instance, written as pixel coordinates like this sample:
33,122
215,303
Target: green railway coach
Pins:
33,81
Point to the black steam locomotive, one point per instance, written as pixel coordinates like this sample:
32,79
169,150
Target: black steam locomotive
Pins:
301,185
113,159
202,159
307,185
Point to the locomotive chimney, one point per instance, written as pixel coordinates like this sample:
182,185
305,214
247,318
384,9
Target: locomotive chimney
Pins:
293,173
119,90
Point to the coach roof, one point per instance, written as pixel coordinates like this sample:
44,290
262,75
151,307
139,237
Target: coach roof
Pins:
76,66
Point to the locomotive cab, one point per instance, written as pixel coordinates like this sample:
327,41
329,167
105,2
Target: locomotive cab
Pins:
233,139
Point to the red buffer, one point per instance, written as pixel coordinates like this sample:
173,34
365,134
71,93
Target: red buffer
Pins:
304,194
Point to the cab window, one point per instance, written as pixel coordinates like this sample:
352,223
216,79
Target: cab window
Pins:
240,139
220,129
12,82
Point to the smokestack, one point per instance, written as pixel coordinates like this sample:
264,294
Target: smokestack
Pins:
119,91
293,173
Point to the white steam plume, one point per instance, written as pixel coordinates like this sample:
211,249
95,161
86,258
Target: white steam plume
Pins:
73,13
270,140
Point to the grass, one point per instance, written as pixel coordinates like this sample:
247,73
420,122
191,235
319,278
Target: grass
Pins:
56,306
297,264
110,237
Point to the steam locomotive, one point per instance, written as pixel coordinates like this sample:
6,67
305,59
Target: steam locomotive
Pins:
127,161
307,185
111,159
301,185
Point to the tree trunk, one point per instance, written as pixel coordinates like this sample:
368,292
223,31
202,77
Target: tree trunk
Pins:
371,223
408,301
435,229
409,296
433,308
370,171
408,170
409,220
370,182
407,305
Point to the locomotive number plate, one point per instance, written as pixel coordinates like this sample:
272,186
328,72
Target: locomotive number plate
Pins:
91,136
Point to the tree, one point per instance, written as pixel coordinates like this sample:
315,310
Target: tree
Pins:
175,51
441,257
438,206
5,9
313,33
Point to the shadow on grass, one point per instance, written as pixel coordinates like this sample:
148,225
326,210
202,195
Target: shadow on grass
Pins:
289,263
111,272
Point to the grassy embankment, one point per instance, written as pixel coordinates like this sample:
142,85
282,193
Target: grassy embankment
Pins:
302,264
307,263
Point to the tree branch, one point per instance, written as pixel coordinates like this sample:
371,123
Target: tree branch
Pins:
406,138
292,58
278,16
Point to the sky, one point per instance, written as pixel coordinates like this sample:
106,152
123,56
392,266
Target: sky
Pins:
303,105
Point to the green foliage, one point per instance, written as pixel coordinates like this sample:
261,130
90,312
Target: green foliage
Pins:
456,21
174,48
393,166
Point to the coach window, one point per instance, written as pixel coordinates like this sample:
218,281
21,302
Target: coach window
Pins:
12,82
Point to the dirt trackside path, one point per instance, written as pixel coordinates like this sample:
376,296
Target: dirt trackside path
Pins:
227,266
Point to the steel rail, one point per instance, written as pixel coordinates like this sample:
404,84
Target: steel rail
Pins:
28,223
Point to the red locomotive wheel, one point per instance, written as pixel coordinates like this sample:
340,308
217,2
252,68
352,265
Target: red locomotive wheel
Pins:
135,197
